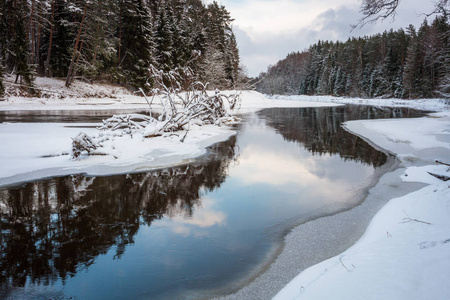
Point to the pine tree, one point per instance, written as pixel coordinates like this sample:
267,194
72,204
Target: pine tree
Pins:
195,24
100,42
59,42
136,46
164,37
432,44
411,64
6,32
232,68
182,35
444,60
19,49
220,52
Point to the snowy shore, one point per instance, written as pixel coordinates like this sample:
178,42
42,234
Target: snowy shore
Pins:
405,251
395,243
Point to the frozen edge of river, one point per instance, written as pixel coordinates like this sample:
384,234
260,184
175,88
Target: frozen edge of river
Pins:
322,232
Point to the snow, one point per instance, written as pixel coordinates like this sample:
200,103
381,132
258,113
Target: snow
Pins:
420,104
31,151
405,251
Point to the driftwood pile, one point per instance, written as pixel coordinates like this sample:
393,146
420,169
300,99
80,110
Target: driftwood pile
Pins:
184,101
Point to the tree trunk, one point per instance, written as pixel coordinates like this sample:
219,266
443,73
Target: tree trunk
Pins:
76,63
31,32
76,52
47,62
120,37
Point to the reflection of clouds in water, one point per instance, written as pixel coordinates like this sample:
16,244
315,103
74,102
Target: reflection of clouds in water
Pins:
267,159
273,168
203,216
290,170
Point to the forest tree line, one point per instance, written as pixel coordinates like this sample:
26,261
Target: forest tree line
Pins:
410,63
116,40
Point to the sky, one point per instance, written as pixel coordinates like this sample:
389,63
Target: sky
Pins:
267,30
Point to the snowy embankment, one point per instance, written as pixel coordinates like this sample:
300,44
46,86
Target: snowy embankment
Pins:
420,104
405,251
30,151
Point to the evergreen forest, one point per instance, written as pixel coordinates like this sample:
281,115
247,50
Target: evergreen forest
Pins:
116,40
407,63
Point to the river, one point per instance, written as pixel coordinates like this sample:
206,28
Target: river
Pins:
192,231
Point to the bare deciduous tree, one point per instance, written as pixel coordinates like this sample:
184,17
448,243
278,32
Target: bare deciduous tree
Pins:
374,10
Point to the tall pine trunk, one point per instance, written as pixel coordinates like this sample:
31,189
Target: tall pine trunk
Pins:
47,62
76,52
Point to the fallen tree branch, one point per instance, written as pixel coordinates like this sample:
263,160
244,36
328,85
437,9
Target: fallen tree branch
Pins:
441,177
442,163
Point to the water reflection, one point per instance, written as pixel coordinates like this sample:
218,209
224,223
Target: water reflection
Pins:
63,116
52,229
319,130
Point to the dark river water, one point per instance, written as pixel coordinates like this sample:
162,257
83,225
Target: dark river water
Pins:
191,231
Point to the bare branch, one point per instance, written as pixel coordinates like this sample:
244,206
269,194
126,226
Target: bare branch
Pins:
409,219
375,10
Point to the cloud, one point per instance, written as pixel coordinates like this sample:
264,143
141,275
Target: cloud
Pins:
263,18
267,31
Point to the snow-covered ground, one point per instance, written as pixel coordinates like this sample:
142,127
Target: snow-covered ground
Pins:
421,104
405,251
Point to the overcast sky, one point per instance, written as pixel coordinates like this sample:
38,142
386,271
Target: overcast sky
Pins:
268,30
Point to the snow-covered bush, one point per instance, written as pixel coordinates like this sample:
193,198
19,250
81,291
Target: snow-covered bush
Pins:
185,103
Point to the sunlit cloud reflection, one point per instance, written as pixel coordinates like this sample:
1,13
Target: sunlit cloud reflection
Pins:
203,216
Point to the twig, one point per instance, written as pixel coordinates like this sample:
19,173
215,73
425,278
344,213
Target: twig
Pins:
415,220
146,99
442,163
340,259
182,140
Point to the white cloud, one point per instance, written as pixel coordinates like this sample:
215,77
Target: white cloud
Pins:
262,19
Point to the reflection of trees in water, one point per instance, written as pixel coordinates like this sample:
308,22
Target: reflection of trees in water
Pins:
51,229
320,131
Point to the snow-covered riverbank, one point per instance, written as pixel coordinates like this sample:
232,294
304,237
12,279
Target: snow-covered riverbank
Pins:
405,252
406,187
